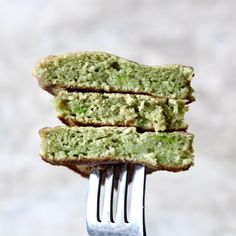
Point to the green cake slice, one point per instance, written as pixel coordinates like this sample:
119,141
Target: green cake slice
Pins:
113,109
82,147
103,72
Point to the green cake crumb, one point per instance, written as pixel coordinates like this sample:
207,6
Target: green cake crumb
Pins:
82,145
113,109
103,72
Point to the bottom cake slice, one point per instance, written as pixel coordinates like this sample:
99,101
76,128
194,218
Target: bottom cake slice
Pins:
80,148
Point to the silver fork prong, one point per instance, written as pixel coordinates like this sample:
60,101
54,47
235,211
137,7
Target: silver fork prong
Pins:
138,190
121,196
106,225
108,196
93,197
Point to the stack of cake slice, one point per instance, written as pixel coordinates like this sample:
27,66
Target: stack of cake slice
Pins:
116,111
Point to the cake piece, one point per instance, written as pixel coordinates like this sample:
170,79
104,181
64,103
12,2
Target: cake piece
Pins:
103,72
113,109
80,148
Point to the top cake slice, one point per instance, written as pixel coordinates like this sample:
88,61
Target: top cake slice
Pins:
103,72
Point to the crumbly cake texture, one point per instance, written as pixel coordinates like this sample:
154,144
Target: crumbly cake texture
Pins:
75,147
116,111
103,72
113,109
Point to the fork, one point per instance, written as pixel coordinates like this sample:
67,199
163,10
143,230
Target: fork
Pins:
107,222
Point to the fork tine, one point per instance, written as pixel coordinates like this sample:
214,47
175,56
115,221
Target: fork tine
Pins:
121,197
93,196
138,190
106,225
108,196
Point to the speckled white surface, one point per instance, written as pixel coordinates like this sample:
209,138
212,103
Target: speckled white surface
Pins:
38,199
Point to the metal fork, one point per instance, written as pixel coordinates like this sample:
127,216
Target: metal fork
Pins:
104,222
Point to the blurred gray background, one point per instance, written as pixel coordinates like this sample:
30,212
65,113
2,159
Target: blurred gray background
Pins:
41,200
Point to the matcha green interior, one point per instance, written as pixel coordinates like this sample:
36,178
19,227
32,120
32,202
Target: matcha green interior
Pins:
106,72
141,111
85,144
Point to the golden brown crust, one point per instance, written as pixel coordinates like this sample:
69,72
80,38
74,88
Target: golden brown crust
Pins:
83,167
72,122
54,89
49,87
